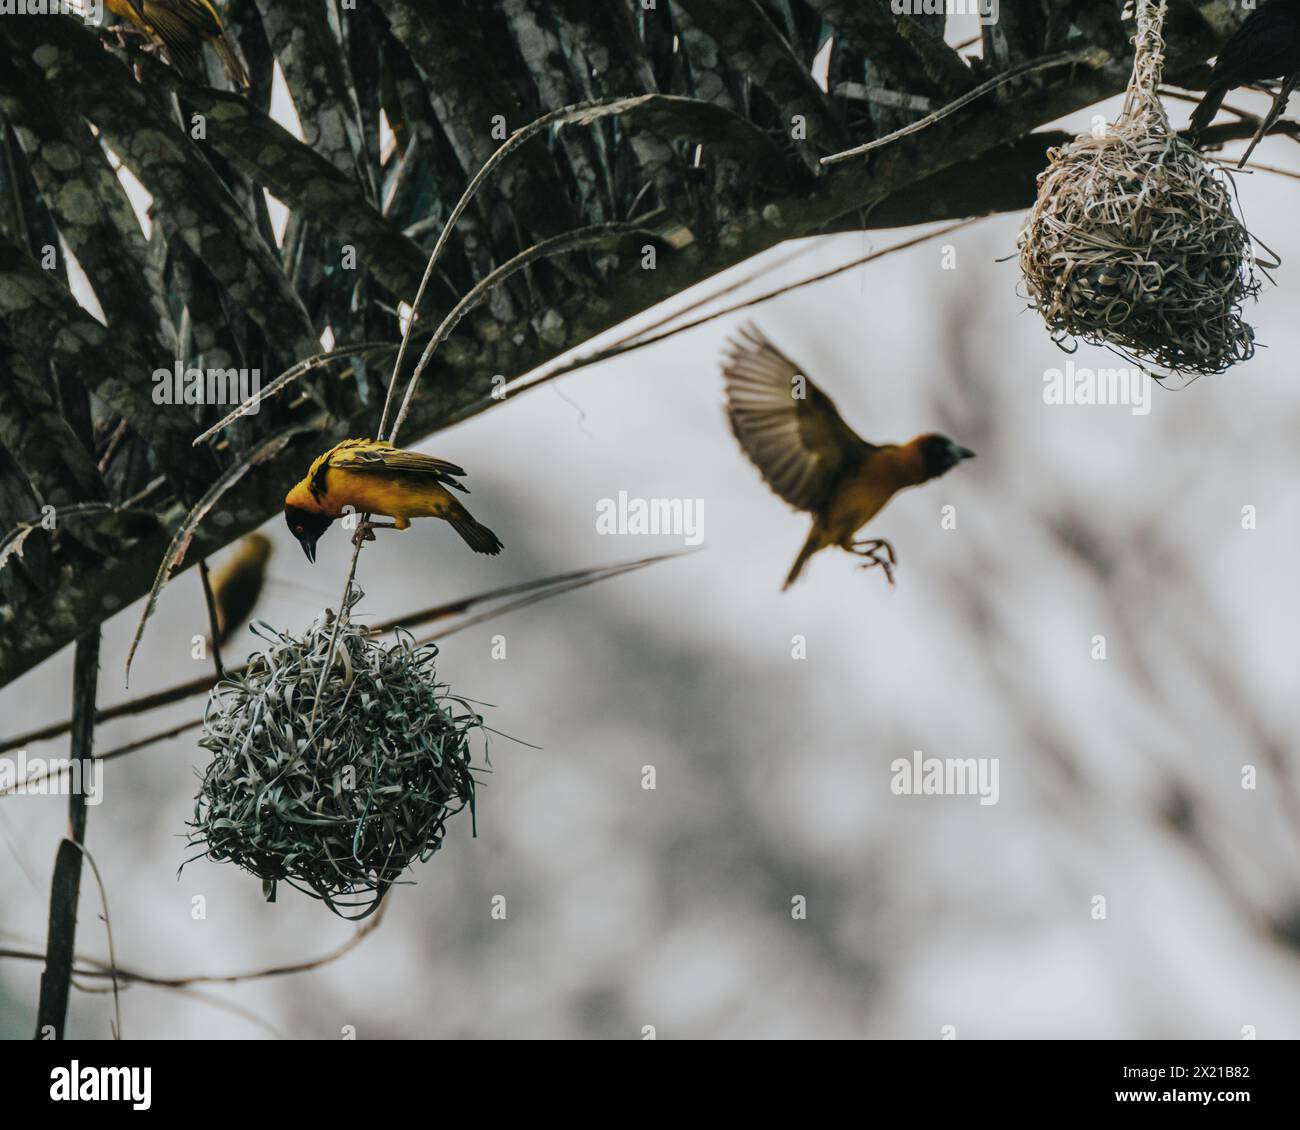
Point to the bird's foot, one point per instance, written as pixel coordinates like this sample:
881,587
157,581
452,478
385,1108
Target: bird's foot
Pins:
871,550
869,546
365,531
128,33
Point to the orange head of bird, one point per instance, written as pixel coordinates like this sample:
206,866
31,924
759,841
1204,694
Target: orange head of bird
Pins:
307,526
940,455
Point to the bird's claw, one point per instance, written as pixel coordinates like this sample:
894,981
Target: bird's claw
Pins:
125,33
869,547
365,531
871,551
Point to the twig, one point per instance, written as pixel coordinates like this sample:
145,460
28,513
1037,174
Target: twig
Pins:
107,969
533,598
108,928
634,342
12,542
334,631
213,629
181,539
205,998
1090,56
575,112
567,241
65,887
120,751
205,683
291,374
1280,99
554,586
110,449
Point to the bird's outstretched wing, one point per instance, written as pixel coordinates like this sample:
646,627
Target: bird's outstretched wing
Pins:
370,455
799,443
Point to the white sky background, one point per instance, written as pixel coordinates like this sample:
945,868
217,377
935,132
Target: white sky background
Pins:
672,907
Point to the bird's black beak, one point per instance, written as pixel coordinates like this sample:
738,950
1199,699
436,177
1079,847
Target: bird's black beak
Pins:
963,453
308,544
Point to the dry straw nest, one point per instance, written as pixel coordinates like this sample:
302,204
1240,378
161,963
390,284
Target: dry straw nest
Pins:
1134,242
343,807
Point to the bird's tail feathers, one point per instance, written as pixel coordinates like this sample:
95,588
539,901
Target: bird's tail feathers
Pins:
811,546
477,536
234,67
1203,115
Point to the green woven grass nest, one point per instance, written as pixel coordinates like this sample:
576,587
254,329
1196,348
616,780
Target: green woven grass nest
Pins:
342,808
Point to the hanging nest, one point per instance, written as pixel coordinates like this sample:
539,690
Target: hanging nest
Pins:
342,807
1134,242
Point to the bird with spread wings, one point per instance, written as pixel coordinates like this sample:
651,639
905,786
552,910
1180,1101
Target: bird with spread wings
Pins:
792,432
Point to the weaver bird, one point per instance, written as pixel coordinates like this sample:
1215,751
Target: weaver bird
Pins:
373,477
1266,46
809,456
183,27
237,584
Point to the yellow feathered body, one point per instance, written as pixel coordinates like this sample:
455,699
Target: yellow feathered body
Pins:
364,476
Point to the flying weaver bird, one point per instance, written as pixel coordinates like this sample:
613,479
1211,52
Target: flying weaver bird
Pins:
809,456
183,27
1266,46
373,477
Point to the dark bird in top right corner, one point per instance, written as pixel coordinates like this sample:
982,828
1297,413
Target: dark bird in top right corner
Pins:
1266,46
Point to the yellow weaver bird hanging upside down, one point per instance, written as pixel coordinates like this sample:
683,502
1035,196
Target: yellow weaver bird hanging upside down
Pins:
372,477
183,27
809,456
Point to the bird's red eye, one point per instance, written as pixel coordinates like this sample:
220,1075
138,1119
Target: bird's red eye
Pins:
297,529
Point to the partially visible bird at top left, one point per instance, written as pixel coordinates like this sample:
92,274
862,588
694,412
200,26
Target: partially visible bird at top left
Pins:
182,27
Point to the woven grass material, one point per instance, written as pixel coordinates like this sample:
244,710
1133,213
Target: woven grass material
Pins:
343,813
1134,242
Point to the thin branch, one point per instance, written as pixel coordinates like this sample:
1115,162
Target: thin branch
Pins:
533,598
539,590
585,112
594,236
203,997
120,751
65,887
108,969
629,344
334,632
291,374
213,628
1275,111
180,542
1090,56
108,928
205,683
